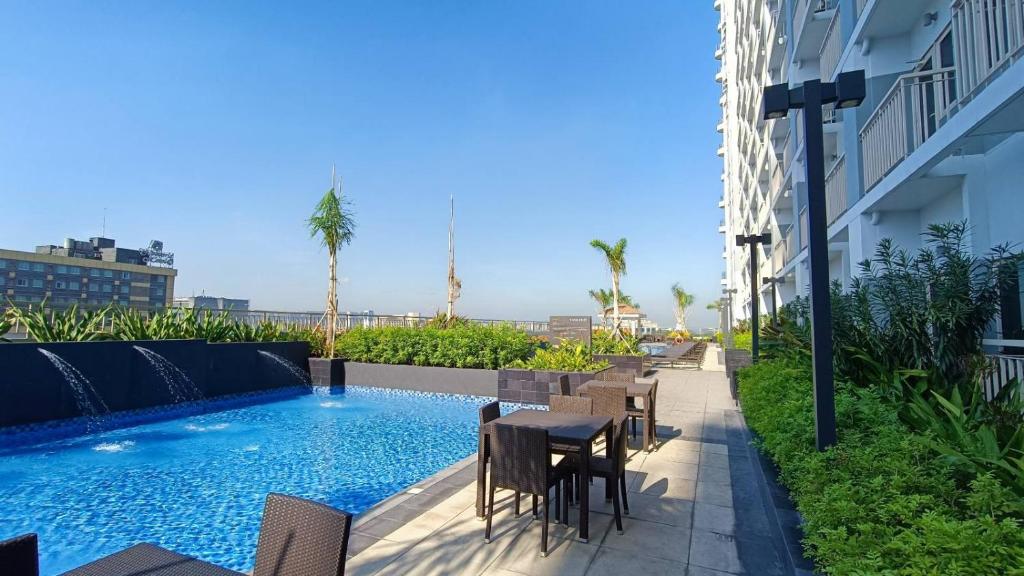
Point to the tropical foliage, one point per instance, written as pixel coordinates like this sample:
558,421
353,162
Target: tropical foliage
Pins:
615,258
70,325
567,356
681,300
443,320
602,342
467,346
334,224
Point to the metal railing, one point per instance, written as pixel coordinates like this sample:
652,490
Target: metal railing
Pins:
835,190
917,105
988,35
1002,370
831,49
783,251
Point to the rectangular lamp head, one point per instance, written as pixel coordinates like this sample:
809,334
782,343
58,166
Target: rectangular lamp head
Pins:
776,101
741,239
850,89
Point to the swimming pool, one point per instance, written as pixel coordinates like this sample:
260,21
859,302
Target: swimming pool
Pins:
196,484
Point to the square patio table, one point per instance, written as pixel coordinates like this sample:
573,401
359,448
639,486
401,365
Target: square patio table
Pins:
150,560
634,390
573,429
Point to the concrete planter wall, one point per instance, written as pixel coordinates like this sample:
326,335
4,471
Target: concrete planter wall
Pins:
472,381
34,390
625,363
534,386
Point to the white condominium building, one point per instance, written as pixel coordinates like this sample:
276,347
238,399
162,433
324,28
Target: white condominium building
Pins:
938,138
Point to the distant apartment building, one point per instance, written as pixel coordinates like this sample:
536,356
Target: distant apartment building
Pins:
90,274
204,302
938,138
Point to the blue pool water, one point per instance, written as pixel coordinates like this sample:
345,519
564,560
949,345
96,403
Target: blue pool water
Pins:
196,484
653,347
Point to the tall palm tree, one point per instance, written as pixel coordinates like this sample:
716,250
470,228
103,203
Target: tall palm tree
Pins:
603,298
335,226
682,300
615,256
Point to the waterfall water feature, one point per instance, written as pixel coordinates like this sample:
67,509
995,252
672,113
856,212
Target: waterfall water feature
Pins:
88,400
180,386
288,365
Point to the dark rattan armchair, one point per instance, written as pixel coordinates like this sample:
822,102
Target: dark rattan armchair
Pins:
613,470
19,556
488,413
521,461
300,537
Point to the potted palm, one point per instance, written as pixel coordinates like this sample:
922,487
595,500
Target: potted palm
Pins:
334,224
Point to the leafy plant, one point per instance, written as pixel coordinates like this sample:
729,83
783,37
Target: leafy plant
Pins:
5,326
443,320
470,346
681,300
567,356
334,223
602,342
44,324
615,257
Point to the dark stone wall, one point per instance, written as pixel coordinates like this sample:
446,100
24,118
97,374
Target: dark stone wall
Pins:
534,386
33,390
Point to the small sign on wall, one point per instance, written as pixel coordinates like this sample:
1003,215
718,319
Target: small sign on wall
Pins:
577,328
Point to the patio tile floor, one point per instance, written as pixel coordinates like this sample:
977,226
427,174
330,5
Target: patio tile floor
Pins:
698,506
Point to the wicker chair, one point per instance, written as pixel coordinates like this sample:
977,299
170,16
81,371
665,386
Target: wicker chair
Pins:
521,461
637,413
571,405
613,470
613,376
563,385
19,556
609,401
490,412
300,537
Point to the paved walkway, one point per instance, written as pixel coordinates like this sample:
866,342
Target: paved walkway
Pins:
697,507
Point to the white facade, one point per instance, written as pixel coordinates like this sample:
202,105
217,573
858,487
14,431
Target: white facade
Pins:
938,138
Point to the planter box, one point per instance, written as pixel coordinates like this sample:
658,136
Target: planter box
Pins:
534,386
470,381
626,363
34,389
327,371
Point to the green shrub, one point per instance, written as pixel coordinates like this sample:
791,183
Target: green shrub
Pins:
44,324
466,346
567,356
602,342
878,502
743,340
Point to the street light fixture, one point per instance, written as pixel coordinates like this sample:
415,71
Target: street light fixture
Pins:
846,92
753,240
775,303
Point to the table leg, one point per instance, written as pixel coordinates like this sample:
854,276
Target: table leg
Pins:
585,449
647,424
609,452
481,475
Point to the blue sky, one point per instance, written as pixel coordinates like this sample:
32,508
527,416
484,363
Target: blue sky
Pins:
213,126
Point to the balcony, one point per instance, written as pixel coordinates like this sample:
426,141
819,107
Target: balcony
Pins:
835,191
804,228
917,105
988,36
810,22
831,49
721,226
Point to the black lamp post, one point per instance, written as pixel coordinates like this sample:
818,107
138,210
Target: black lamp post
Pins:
753,240
775,303
846,92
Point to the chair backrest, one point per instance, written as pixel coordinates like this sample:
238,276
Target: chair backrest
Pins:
299,537
520,458
563,385
488,412
571,405
609,401
19,556
613,376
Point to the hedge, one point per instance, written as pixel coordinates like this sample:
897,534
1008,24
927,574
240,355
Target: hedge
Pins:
472,346
879,502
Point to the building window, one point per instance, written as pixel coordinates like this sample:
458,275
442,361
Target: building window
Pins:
125,288
132,261
24,266
94,273
94,287
61,300
73,285
108,288
62,269
21,298
74,270
37,282
60,285
126,275
108,273
158,291
160,279
3,281
1011,307
3,263
36,299
38,267
21,282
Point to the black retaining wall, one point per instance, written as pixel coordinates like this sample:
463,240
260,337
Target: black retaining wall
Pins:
33,390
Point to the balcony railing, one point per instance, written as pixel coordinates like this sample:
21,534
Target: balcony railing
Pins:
783,251
835,190
915,107
1002,370
831,49
988,35
776,179
804,228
